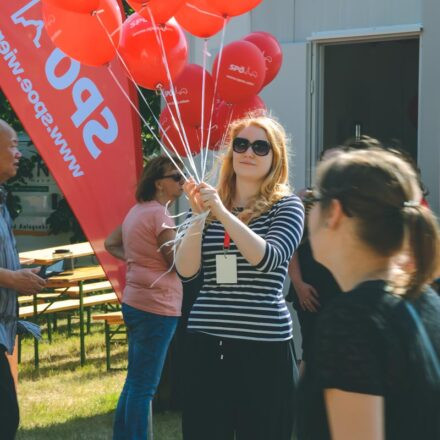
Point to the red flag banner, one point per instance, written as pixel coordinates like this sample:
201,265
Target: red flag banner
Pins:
79,120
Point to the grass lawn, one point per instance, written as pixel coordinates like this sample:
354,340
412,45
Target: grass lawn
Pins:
63,401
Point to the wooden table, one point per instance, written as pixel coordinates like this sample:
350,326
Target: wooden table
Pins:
47,256
66,280
77,278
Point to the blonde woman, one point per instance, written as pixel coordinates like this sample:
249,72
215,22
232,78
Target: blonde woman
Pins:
240,364
374,370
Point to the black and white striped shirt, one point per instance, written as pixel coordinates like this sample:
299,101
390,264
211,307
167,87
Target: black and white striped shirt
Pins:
254,308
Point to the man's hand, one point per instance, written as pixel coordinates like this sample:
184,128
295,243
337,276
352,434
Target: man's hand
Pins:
26,281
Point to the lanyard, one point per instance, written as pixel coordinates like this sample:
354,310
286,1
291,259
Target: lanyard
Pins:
226,242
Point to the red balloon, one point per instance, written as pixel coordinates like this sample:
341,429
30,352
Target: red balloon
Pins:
76,5
228,113
81,35
170,135
143,54
229,8
242,71
188,89
199,18
271,50
162,10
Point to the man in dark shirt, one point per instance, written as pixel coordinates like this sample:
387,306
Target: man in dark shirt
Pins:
13,281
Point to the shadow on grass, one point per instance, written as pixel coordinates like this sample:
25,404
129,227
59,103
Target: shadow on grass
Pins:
118,363
167,426
96,427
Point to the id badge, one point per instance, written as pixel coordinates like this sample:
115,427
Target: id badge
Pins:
226,268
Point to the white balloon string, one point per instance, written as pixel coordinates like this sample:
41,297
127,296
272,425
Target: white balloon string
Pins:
173,92
222,43
161,128
181,231
202,116
225,133
178,167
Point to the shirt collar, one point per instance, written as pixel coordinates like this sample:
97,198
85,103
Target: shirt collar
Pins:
3,195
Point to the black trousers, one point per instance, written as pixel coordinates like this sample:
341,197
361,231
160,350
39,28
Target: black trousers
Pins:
237,389
9,416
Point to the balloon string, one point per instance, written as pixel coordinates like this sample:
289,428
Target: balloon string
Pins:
181,231
222,43
178,168
173,92
225,133
145,101
202,117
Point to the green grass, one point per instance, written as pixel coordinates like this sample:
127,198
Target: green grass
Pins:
62,401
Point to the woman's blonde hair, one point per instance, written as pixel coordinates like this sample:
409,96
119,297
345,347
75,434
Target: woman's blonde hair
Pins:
276,183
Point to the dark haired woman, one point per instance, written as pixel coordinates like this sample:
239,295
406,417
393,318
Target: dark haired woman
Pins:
152,298
374,370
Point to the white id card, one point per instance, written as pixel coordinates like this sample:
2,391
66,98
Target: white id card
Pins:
226,267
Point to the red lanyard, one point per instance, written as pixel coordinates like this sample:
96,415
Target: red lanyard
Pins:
226,241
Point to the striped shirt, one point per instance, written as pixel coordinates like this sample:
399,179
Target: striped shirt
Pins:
8,298
254,307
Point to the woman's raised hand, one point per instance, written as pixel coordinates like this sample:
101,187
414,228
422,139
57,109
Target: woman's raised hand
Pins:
193,193
211,200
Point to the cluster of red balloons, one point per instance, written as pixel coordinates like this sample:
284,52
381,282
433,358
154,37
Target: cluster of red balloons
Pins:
241,71
93,31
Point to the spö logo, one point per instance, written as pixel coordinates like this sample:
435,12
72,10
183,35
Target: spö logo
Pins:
243,70
19,18
179,92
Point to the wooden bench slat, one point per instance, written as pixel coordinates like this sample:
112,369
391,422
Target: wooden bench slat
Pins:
40,297
95,300
87,288
111,318
68,304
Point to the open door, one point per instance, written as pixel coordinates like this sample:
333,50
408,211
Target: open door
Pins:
365,86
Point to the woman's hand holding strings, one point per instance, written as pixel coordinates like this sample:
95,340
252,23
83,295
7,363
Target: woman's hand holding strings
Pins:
211,200
192,191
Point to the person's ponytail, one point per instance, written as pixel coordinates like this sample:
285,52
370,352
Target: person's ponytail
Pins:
424,242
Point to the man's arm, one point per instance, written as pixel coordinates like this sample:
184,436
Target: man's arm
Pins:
23,281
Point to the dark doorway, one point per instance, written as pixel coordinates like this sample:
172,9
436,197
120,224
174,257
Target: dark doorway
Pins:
372,85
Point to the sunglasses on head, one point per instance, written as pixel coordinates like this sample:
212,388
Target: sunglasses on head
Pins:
177,177
260,147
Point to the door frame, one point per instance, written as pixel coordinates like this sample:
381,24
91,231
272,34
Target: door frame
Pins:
317,42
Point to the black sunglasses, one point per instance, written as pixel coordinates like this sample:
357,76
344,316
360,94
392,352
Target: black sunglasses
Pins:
260,147
177,177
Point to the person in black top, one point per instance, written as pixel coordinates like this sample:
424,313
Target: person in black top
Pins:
312,285
320,286
374,369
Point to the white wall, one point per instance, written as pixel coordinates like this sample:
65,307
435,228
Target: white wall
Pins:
429,103
329,15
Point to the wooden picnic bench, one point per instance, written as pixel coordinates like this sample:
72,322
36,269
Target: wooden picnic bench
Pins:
114,325
67,305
